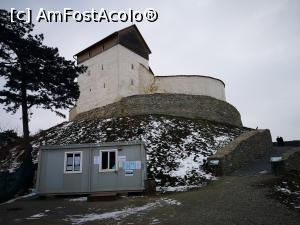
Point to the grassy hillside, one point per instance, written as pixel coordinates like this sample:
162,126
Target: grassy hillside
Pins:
176,147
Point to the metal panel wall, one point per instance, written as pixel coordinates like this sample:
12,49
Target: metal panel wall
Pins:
118,180
53,179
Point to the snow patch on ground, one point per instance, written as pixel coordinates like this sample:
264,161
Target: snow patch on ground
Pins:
154,221
20,197
177,188
287,190
120,214
171,201
81,199
36,216
283,190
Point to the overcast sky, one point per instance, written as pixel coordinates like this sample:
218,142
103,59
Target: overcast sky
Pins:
253,46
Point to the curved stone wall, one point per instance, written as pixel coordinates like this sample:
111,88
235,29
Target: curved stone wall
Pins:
188,106
180,84
191,85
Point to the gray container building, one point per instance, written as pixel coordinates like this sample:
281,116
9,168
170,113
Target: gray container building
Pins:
92,168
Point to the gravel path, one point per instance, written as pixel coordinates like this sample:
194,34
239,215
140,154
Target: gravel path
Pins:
231,200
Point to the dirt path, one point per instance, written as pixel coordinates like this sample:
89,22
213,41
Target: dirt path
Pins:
231,200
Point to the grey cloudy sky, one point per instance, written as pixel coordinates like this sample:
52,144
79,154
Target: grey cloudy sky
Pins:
253,46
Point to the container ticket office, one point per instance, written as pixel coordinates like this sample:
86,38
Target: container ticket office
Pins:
91,168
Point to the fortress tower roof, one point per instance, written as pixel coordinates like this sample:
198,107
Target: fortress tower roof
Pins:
130,37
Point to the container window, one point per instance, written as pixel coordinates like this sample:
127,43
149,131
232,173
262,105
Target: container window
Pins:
69,166
108,160
112,160
73,162
77,162
104,160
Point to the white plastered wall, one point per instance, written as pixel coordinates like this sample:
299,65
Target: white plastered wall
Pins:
113,74
129,64
191,85
183,84
100,87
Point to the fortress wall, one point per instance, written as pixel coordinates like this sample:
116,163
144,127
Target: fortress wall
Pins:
291,160
118,72
111,75
246,148
181,84
191,85
181,105
91,83
128,74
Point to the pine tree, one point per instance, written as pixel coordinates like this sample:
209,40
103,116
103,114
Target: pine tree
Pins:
34,74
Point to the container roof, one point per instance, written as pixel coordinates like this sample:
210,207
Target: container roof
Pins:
89,145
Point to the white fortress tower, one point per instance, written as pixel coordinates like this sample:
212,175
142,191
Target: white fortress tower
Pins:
118,67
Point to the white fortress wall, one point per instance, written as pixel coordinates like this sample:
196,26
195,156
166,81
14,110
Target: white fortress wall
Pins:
99,87
113,74
190,84
129,63
181,84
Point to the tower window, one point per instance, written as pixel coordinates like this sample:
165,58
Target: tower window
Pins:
90,90
131,81
132,67
102,66
103,85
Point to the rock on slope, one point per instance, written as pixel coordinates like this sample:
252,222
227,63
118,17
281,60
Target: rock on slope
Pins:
176,147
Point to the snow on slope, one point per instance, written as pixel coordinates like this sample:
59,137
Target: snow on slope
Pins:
176,147
12,159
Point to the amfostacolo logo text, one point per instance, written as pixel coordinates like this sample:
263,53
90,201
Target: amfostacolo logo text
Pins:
93,15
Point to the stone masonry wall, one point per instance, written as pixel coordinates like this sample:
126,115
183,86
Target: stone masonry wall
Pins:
292,160
188,106
246,148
